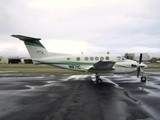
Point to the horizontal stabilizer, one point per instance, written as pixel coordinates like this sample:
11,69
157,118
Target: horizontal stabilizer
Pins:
34,47
25,38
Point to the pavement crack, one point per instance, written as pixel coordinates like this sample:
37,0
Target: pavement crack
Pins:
128,95
124,91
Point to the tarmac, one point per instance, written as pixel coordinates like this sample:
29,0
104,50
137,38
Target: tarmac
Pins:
76,97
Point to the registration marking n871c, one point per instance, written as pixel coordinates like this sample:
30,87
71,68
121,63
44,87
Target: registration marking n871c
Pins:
75,66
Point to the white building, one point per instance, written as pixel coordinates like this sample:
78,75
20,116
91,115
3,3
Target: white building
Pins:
145,57
3,60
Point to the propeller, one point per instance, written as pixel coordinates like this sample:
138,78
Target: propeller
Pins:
140,58
139,67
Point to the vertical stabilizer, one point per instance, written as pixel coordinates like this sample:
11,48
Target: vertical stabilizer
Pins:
34,47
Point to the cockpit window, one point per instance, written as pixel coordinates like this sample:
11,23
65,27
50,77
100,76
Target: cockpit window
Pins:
123,58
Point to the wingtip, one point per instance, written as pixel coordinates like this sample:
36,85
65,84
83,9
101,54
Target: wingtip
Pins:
12,35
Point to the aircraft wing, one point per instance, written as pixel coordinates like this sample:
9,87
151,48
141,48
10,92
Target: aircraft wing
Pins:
101,66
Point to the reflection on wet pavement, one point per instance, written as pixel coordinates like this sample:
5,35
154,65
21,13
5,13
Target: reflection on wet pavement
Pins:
120,96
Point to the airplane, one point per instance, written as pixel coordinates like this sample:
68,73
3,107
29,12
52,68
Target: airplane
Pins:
99,64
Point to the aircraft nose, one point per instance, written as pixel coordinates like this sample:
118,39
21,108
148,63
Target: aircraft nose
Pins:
142,65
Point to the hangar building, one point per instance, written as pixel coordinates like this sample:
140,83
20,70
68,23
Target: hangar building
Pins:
3,60
131,56
15,60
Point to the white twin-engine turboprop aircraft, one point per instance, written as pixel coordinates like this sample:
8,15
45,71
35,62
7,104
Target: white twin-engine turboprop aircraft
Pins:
100,64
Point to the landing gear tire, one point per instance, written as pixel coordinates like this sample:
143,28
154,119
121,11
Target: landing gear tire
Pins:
143,79
99,81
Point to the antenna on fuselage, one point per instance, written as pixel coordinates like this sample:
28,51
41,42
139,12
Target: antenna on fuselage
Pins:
82,53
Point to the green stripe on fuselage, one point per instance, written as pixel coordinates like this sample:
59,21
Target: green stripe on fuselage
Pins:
75,63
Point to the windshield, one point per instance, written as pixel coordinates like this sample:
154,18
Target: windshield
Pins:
123,58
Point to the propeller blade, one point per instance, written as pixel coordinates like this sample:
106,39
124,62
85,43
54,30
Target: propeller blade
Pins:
140,66
141,70
138,71
140,58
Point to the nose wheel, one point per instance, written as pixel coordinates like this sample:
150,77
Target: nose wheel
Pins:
143,79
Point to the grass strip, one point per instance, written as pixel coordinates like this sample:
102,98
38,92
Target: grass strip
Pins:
48,73
27,67
39,69
153,67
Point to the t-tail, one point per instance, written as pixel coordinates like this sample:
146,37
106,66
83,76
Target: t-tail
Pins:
34,47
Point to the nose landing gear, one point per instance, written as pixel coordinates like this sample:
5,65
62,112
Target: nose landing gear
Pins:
143,79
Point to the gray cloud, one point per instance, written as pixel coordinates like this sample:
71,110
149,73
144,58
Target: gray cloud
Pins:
107,25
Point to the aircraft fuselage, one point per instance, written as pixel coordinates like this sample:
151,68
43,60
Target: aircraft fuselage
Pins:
81,62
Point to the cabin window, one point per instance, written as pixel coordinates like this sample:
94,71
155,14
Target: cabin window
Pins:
96,58
107,58
68,59
91,58
78,58
101,58
86,58
118,58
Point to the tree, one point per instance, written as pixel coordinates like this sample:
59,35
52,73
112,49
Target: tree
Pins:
154,59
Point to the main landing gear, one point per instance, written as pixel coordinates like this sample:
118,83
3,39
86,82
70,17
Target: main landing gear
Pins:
98,79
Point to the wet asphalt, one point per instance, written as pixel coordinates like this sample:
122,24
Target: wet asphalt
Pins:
76,97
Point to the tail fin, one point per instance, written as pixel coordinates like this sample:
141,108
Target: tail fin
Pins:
34,47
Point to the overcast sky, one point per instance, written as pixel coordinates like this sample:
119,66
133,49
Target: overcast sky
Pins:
91,26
